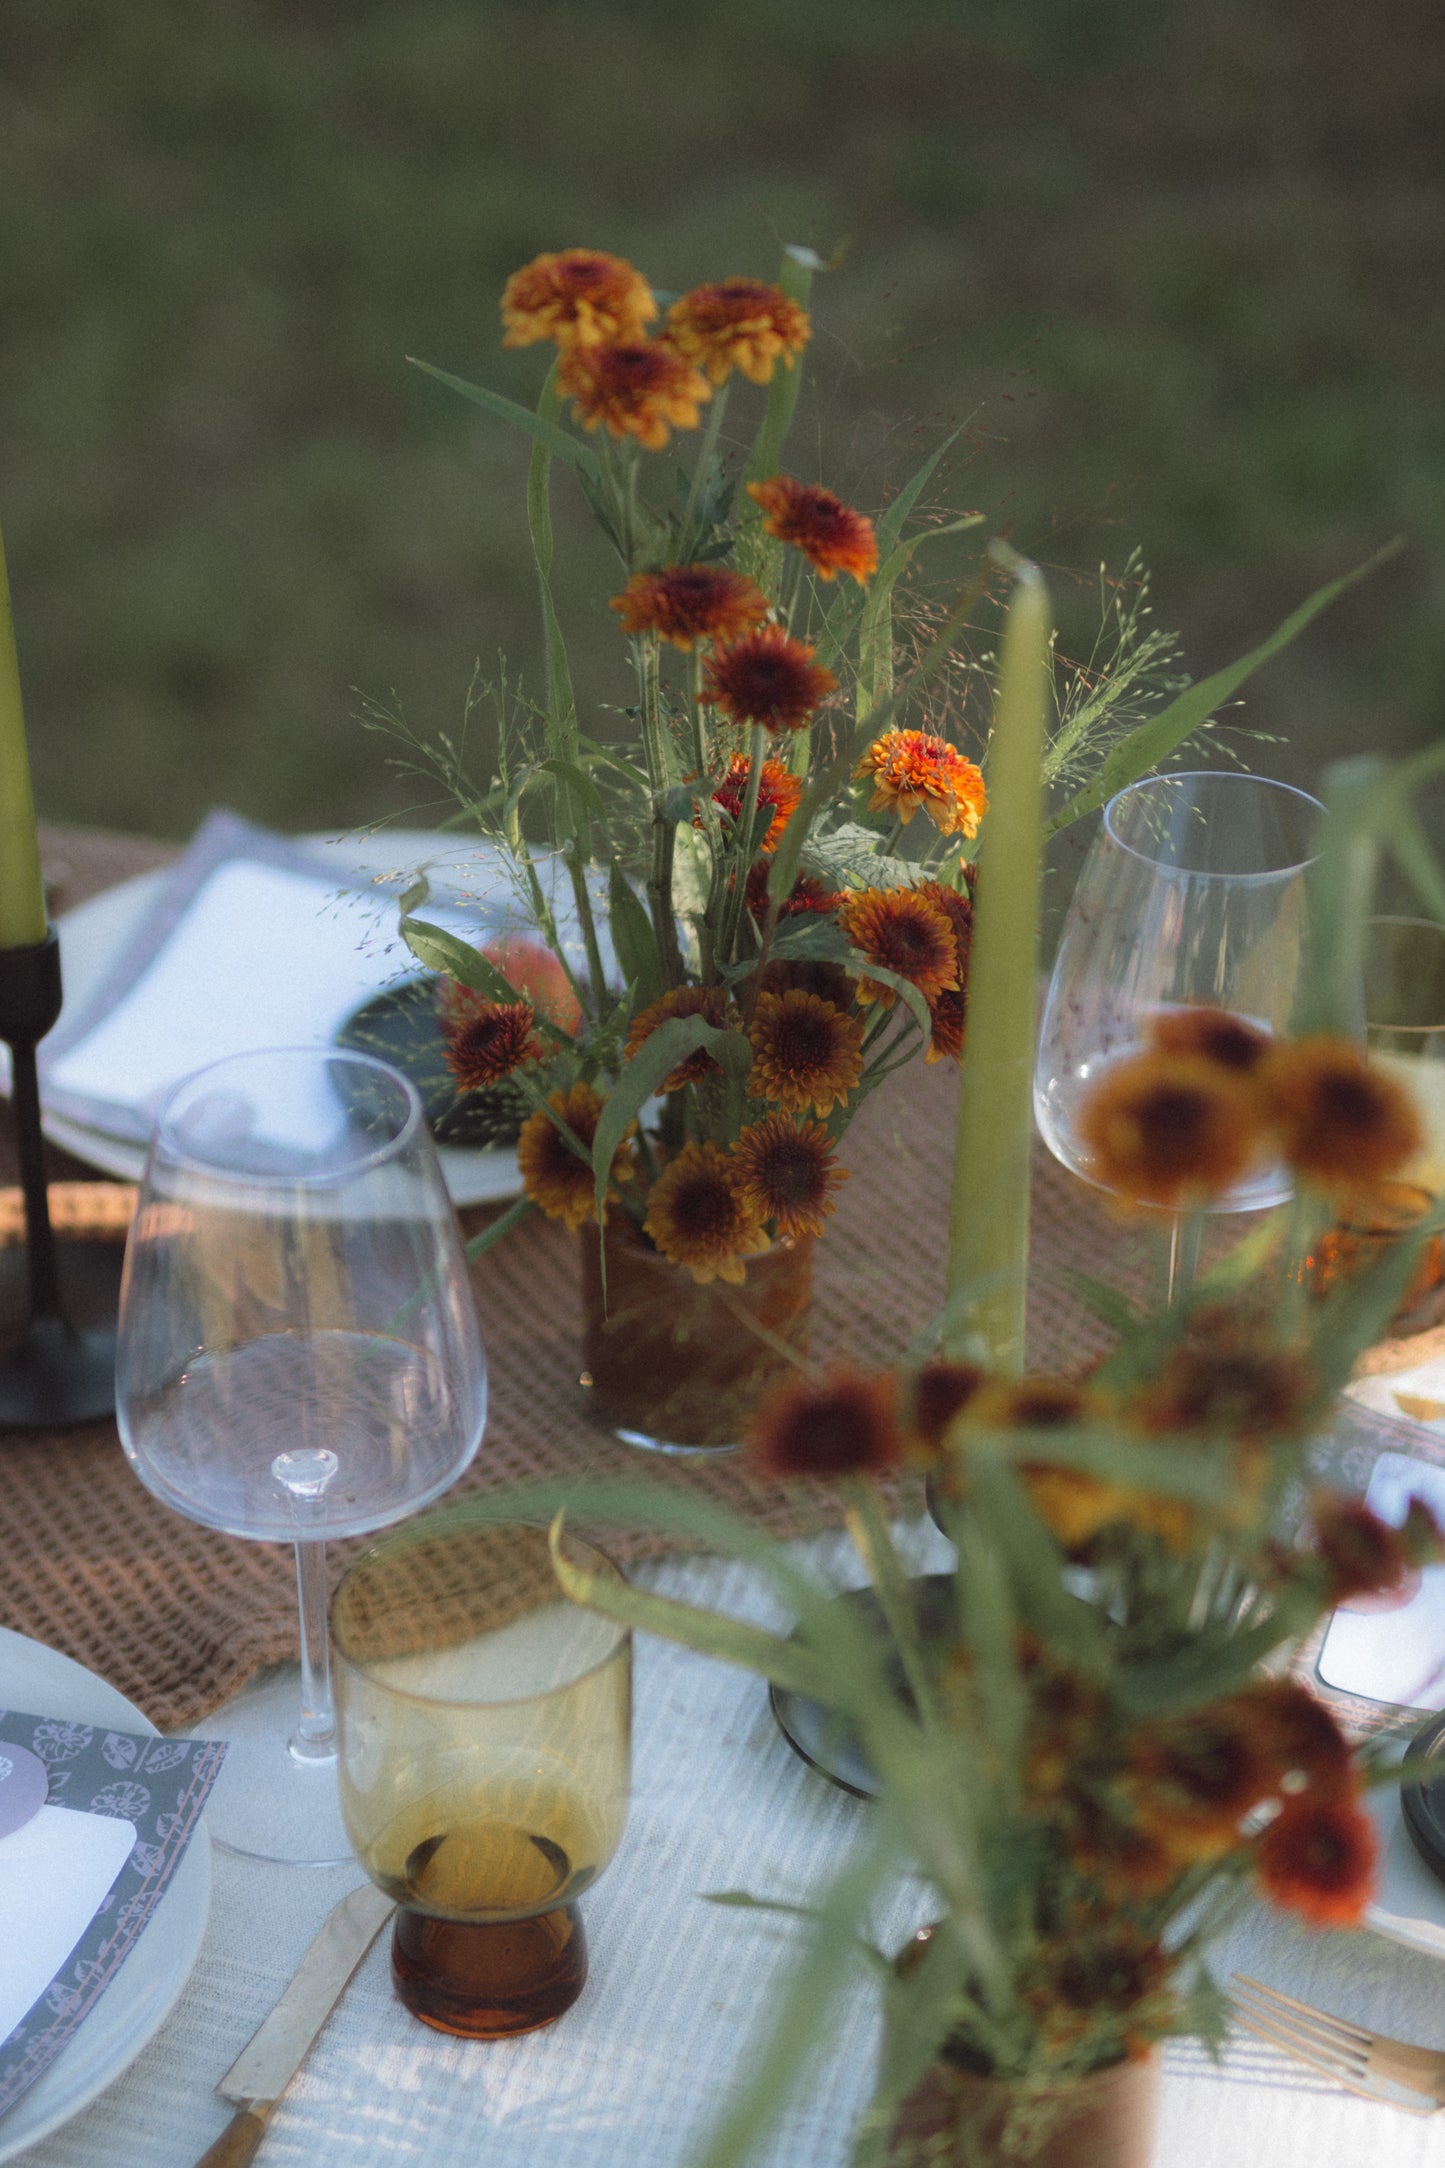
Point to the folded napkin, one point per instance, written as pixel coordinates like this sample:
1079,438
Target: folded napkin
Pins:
251,943
80,1878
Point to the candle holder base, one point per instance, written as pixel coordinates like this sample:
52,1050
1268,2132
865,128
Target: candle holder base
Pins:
57,1371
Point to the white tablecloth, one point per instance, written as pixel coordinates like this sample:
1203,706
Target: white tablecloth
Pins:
636,2072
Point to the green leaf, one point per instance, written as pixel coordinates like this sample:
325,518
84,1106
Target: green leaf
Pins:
1153,742
660,1052
537,426
633,938
456,959
768,1656
579,783
890,523
852,856
913,1000
561,705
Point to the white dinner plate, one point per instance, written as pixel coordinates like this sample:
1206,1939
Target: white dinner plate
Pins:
145,1990
95,932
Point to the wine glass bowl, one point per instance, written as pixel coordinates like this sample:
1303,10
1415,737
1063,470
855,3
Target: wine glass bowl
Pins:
298,1352
1192,896
485,1726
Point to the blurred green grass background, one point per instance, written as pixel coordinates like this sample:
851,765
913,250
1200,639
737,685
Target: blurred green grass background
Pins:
1181,267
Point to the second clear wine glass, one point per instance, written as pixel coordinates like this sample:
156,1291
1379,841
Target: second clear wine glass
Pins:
1193,895
298,1356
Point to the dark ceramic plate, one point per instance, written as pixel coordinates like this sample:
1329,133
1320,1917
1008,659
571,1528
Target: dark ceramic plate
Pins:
1422,1806
825,1740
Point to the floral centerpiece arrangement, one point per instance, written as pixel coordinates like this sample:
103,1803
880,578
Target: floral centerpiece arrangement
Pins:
767,886
1101,1754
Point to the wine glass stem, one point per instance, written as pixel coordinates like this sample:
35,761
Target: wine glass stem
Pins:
1185,1234
314,1739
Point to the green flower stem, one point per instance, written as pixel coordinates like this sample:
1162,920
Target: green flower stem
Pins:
541,909
740,851
873,1541
577,869
654,745
704,459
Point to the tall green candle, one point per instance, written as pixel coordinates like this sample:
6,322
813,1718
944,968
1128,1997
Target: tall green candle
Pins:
22,894
989,1223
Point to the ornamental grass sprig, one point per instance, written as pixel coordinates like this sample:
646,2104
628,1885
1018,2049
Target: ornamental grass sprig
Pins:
750,825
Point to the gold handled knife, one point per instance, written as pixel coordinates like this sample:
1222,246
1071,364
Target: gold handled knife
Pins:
271,2059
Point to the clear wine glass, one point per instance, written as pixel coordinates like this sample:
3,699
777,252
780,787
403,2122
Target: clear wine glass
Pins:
298,1358
1193,895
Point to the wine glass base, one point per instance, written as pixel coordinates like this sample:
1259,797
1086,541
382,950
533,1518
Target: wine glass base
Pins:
489,1980
267,1804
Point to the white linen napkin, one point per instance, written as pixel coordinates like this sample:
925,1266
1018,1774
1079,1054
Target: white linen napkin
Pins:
56,1872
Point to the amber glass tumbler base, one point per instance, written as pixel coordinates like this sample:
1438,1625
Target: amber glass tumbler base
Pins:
486,1982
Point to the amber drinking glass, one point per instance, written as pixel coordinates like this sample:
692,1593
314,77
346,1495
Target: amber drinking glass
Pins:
485,1728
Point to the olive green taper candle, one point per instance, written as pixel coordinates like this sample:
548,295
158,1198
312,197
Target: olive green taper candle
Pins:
989,1223
22,894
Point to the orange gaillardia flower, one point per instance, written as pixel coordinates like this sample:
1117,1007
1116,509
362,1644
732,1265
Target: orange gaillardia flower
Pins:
1301,1738
807,894
1317,1858
1342,1123
1193,1782
807,1053
767,677
948,1011
937,1392
831,535
738,324
844,1425
484,1041
699,1217
1163,1128
554,1176
688,603
642,388
1216,1035
709,1002
788,1172
778,787
912,769
907,934
1365,1556
579,297
1226,1380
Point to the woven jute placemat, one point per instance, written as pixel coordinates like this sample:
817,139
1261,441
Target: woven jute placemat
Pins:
179,1618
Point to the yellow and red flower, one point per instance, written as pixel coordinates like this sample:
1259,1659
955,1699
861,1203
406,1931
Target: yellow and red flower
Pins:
579,297
738,324
1167,1128
708,1002
484,1041
807,895
1342,1123
901,929
912,769
556,1178
688,603
1301,1738
843,1425
640,388
778,787
807,1053
788,1172
1317,1858
699,1217
937,1393
767,677
831,535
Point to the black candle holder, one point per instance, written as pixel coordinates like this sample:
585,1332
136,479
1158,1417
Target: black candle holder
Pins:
57,1298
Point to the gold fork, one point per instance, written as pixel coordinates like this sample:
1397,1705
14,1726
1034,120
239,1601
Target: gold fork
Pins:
1364,2062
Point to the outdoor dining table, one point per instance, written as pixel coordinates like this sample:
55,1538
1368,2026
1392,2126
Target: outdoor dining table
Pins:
682,1990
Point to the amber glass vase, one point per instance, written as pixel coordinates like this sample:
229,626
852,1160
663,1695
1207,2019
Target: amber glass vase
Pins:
954,2119
676,1366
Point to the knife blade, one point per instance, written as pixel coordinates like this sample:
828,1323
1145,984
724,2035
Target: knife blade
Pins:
271,2058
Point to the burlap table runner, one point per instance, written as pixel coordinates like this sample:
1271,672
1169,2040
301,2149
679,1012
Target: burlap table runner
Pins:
178,1617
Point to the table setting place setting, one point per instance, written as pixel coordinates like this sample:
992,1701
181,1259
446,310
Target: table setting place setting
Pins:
662,1502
